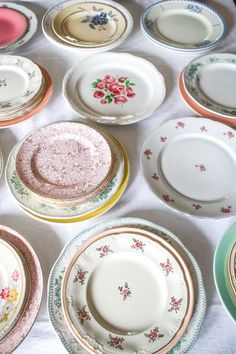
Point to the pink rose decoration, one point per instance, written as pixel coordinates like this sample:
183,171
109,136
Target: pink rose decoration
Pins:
120,99
122,79
130,94
98,94
109,79
103,102
15,275
4,293
117,89
101,85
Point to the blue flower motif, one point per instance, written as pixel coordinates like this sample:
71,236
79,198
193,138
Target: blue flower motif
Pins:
194,8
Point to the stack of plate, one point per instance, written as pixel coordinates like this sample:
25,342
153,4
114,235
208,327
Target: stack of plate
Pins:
185,26
21,289
182,164
132,286
17,25
25,89
225,270
121,89
1,163
87,26
67,172
208,86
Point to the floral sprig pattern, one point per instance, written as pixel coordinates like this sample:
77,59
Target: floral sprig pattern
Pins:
167,267
83,315
80,276
138,245
116,342
9,295
125,291
104,250
175,304
113,90
154,335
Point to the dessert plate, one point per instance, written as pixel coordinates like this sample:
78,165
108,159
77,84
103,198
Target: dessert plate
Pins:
13,287
232,268
117,288
120,89
35,285
180,161
58,270
211,82
220,270
20,81
183,25
48,20
64,160
13,26
24,37
89,24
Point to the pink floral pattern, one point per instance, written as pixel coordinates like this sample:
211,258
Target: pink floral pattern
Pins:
147,153
226,210
125,291
116,342
180,125
113,90
104,250
155,176
163,139
167,198
80,277
167,267
201,167
3,83
175,304
203,129
15,275
229,134
154,335
83,315
138,245
4,293
196,206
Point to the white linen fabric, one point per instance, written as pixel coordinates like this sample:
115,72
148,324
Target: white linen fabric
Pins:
199,235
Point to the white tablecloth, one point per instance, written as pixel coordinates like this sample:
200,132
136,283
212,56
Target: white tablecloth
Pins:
218,333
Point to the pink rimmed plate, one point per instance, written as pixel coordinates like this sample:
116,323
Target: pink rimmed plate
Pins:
13,25
11,341
64,160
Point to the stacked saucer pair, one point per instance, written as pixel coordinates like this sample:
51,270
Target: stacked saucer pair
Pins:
25,89
67,172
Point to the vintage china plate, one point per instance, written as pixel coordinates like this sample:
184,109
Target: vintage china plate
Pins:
220,270
89,24
11,341
211,82
232,268
34,205
65,160
55,279
1,163
117,286
13,287
120,89
31,111
183,25
31,25
13,25
49,17
20,81
180,161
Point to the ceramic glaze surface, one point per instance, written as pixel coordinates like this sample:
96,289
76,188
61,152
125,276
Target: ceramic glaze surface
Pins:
13,25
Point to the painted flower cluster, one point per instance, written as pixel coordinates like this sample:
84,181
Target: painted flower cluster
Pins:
9,294
113,90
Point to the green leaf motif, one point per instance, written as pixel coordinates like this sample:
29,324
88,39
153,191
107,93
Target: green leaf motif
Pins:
94,84
104,194
20,190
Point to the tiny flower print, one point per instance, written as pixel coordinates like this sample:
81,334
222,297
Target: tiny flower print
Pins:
180,125
226,210
167,267
116,342
147,153
155,176
12,295
104,250
175,304
112,89
125,291
28,93
3,83
229,134
31,75
80,277
203,129
154,335
163,139
201,167
83,315
15,275
4,293
138,245
196,206
5,105
167,198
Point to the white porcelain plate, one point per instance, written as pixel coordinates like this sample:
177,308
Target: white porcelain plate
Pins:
128,289
13,287
1,163
20,81
211,81
190,164
114,88
183,25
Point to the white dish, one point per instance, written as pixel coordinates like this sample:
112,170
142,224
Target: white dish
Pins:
182,164
183,25
1,163
119,89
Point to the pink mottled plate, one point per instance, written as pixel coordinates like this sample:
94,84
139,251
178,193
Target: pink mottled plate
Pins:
11,341
64,160
13,25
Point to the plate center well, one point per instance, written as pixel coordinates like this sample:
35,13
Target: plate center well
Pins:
13,82
121,290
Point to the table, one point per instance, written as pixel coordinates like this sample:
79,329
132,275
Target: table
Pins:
199,235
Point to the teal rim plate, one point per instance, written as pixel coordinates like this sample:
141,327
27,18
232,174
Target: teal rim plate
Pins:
221,275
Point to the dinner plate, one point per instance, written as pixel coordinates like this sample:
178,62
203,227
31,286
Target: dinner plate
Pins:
13,25
57,273
20,81
121,88
183,25
1,163
89,24
13,287
22,327
210,81
31,28
232,268
65,160
220,269
180,161
48,19
42,209
127,289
